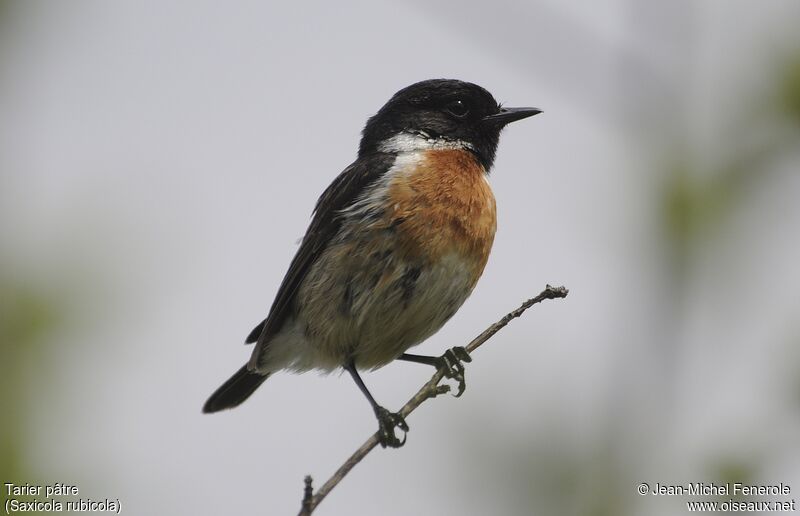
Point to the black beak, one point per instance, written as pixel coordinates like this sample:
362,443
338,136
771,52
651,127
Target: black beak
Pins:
512,114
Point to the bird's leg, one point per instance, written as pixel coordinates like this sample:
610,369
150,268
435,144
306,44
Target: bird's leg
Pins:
387,421
450,364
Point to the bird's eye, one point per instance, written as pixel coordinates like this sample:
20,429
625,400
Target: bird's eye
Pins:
457,108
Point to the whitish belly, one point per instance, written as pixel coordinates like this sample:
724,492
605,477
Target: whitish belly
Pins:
373,313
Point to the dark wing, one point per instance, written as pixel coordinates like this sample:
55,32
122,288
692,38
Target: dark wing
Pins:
325,223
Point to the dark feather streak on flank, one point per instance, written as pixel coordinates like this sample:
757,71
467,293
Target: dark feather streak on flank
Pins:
347,299
396,223
380,256
408,282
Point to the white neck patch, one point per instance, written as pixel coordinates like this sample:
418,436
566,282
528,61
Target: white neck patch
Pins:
420,141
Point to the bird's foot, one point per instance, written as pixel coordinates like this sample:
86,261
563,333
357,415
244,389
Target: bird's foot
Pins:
387,422
450,364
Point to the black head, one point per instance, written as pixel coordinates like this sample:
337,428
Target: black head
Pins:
441,111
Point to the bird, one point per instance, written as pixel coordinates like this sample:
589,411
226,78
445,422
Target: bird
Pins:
395,246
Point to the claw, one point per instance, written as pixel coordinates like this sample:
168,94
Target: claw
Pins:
452,367
461,353
387,422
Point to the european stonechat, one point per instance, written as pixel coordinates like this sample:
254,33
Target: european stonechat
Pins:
395,246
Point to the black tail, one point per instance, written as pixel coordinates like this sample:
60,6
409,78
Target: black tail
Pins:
237,389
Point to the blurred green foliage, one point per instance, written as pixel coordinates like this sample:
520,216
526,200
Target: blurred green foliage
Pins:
27,317
789,90
730,470
696,201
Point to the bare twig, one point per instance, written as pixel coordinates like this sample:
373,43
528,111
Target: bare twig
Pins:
431,389
308,497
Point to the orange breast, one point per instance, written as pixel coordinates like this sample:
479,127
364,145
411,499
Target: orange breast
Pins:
444,205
